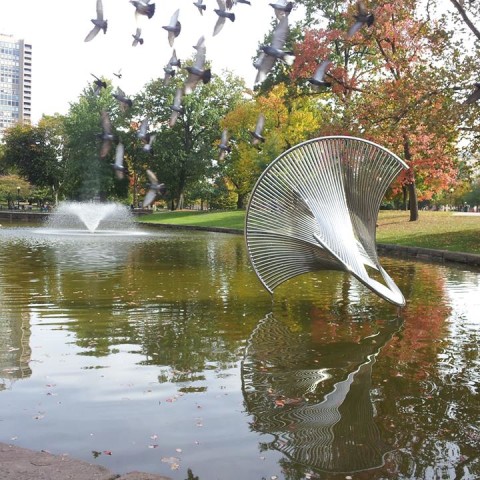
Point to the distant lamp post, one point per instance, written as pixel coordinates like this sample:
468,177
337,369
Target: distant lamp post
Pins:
18,198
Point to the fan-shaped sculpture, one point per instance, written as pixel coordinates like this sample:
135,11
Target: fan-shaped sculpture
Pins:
315,207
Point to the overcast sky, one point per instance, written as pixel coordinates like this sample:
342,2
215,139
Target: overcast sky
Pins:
63,62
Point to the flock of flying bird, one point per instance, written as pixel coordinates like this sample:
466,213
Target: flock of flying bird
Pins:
268,56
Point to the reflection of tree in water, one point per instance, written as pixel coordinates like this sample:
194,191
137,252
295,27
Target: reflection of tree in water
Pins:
315,401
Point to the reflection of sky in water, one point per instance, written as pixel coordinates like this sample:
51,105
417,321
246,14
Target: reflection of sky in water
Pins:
136,344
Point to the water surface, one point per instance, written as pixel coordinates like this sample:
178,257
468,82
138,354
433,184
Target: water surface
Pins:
162,352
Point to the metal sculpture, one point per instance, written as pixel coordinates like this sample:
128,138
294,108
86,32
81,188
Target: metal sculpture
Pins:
315,207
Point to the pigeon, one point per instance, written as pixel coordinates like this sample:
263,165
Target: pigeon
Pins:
474,96
154,188
118,74
222,15
169,70
282,8
196,72
318,79
143,7
122,99
99,84
363,17
142,131
173,28
99,23
118,167
274,52
176,108
201,7
224,148
106,136
148,143
137,39
257,133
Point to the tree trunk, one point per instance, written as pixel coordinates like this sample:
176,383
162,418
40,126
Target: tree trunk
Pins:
240,201
412,196
404,193
412,191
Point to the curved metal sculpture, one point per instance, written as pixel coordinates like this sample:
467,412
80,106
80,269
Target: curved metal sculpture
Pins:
315,207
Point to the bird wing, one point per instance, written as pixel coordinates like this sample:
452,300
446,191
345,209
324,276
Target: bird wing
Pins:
149,198
221,4
280,33
174,18
119,152
219,25
92,34
354,29
152,178
473,97
321,69
260,124
224,139
106,124
362,11
201,55
265,64
99,10
142,131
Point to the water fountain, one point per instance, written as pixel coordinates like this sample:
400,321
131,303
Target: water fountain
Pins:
87,218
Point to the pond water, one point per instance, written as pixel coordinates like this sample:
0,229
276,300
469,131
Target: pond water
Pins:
160,351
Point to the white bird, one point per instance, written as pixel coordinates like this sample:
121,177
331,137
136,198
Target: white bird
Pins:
222,15
273,52
118,165
154,188
173,28
99,23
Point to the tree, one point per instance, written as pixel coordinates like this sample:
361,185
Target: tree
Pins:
34,152
288,121
390,86
87,175
185,154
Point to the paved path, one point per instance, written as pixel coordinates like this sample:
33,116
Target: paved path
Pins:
21,464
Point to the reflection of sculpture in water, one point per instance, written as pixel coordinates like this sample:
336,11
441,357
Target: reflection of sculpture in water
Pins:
316,403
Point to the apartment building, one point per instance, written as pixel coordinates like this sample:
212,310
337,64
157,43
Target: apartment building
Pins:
15,81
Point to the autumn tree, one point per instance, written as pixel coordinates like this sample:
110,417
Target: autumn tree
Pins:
389,85
288,121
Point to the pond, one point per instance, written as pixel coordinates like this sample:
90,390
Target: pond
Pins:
162,352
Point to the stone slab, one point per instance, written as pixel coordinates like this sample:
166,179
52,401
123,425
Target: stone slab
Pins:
17,463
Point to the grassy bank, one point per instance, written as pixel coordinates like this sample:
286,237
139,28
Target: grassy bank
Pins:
438,230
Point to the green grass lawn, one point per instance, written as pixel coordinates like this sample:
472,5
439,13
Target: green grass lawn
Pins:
438,230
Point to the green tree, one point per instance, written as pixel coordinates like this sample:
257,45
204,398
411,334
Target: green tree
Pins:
35,153
87,175
184,154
